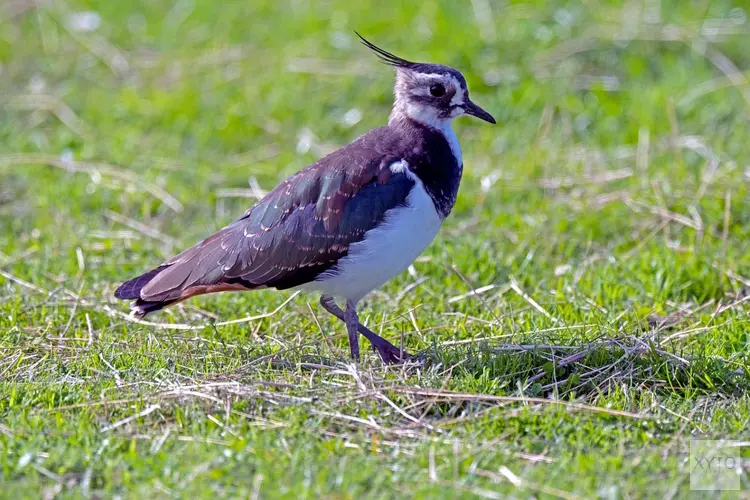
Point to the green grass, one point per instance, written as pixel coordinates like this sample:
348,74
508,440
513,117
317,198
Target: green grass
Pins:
608,211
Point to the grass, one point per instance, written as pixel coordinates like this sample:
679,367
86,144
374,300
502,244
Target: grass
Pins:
584,311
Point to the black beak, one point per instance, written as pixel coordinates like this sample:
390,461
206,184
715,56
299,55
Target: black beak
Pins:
472,109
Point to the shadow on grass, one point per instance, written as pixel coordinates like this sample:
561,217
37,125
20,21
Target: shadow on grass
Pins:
586,370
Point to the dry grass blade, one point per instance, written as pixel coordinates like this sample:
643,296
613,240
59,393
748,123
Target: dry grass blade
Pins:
518,482
589,179
259,316
465,396
140,227
54,105
667,215
472,293
599,35
350,418
21,282
96,171
183,326
517,288
112,56
124,421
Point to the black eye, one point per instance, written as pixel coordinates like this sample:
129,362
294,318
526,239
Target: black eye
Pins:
437,90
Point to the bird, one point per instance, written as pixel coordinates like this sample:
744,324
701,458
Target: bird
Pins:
344,225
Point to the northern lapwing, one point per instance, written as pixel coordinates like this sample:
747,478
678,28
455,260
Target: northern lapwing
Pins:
344,225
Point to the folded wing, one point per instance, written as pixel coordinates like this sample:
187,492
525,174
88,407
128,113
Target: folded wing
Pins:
300,229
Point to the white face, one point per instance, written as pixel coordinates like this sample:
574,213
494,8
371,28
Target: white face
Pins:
435,97
431,98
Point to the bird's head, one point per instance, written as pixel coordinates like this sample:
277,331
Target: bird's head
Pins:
432,94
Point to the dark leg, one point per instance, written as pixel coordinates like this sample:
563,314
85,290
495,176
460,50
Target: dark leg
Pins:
388,352
352,322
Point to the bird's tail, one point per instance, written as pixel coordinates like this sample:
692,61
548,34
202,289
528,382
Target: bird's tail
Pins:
163,293
131,289
141,308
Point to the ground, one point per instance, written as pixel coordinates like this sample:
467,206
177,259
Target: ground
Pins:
582,316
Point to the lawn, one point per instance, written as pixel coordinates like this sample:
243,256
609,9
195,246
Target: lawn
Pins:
583,314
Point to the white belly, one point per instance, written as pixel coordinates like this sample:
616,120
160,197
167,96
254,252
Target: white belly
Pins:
385,251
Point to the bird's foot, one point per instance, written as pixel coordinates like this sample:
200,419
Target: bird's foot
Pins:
389,353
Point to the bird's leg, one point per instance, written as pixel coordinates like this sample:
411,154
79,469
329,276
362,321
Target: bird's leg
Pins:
388,352
352,322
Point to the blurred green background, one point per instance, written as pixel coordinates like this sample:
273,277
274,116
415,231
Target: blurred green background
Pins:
597,255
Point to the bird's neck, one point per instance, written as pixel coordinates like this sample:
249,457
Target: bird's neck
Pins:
405,117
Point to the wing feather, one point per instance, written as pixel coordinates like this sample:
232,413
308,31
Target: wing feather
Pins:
297,231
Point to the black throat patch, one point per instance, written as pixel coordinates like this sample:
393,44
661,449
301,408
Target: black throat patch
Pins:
432,160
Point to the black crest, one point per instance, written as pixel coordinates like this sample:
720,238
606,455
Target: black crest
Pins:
398,62
385,56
